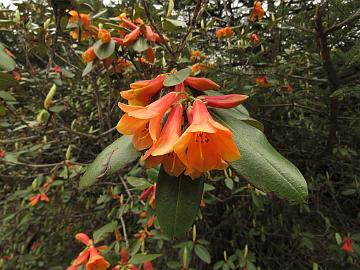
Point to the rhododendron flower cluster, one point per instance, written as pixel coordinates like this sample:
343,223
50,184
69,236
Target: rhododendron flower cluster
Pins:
90,256
257,12
226,32
189,141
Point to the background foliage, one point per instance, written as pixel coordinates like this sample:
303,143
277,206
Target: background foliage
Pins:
314,123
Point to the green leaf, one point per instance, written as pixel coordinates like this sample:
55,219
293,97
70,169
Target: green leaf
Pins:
202,253
6,81
7,63
6,96
176,23
178,77
141,45
261,164
177,202
139,183
88,68
141,258
104,50
170,8
101,233
112,159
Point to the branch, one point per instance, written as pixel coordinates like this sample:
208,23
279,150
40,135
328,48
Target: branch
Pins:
152,23
353,18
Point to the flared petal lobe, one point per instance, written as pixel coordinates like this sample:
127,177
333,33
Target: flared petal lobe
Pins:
96,261
145,122
82,258
206,144
83,238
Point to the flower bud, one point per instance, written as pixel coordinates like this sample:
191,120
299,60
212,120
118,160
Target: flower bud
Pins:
49,97
42,116
104,36
89,55
68,153
224,101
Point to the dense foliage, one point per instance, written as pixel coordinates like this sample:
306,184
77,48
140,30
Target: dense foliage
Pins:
299,63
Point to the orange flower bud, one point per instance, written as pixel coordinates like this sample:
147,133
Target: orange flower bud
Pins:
224,101
147,265
124,254
104,36
254,38
143,214
89,55
201,84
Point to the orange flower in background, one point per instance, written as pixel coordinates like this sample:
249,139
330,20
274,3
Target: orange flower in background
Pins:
289,88
90,255
226,32
96,261
347,245
145,122
206,144
148,266
122,66
72,267
198,67
2,153
254,38
262,81
201,84
257,12
150,55
197,56
84,20
159,152
89,55
132,36
141,92
38,197
143,234
104,35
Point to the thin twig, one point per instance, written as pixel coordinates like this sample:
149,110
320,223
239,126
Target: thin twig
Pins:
124,231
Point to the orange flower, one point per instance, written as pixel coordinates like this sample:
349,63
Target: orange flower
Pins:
262,81
198,67
257,12
104,36
289,88
226,32
254,38
201,84
144,122
90,255
38,197
89,55
84,19
206,144
347,245
197,56
122,66
132,36
124,254
72,267
96,261
159,152
148,266
150,55
85,24
224,101
2,153
142,91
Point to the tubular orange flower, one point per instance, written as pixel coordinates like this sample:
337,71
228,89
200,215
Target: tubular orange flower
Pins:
96,261
83,238
147,265
254,38
38,197
159,152
262,81
82,258
224,101
226,32
197,56
132,36
206,144
150,55
104,36
257,12
142,91
201,67
201,84
149,34
145,122
84,19
124,254
347,245
89,55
